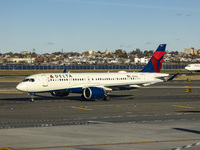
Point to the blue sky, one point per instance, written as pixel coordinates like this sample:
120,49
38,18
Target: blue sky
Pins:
81,25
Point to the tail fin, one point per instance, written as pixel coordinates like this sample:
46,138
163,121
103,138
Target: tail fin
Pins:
155,63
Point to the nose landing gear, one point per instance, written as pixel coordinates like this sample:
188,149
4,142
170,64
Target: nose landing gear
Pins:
32,94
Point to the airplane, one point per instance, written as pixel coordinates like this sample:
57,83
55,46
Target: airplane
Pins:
193,67
95,85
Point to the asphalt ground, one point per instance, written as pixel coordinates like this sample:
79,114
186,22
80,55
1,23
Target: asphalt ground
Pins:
161,116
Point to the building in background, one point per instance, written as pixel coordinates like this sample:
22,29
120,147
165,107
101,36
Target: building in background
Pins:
191,51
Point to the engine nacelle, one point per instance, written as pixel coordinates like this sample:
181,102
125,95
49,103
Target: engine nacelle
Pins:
93,93
59,93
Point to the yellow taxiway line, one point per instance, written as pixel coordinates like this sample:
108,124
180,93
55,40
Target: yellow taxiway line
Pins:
6,148
183,106
80,108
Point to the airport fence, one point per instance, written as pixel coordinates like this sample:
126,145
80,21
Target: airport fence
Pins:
82,67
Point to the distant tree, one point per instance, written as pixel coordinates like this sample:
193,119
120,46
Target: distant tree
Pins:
57,53
16,55
33,55
75,54
174,53
138,50
121,53
10,54
148,53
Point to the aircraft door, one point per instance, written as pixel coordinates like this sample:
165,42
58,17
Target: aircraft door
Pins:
142,77
88,79
45,80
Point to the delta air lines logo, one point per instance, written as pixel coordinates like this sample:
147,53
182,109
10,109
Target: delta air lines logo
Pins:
60,76
157,60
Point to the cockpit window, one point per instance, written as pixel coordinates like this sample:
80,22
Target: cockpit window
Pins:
29,80
25,80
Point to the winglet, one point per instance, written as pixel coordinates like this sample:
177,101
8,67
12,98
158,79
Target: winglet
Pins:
155,63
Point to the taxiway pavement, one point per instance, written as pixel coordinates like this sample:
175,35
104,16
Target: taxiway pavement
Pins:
162,116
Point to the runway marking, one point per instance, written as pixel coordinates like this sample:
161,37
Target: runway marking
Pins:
187,146
183,106
80,108
107,144
99,122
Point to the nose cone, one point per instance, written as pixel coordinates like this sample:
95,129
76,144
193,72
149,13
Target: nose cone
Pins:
21,87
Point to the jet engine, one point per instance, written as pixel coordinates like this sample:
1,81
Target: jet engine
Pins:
59,93
93,93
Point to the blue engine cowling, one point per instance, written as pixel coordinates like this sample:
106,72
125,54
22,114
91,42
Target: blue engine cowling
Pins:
93,93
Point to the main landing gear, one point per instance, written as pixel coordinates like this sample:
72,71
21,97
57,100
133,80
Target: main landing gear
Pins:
106,98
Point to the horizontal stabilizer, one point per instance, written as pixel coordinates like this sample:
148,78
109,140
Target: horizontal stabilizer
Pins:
170,79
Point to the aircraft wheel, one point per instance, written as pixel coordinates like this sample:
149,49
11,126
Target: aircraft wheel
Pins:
106,98
32,100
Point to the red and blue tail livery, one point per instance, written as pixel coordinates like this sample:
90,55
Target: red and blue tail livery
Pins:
155,63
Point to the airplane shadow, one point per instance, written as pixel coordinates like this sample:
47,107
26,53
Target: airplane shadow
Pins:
89,148
76,98
44,97
119,95
14,99
187,130
188,111
40,97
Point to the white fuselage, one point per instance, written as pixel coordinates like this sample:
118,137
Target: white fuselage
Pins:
63,81
193,67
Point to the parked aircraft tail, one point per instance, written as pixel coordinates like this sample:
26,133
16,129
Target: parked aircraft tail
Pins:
155,63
